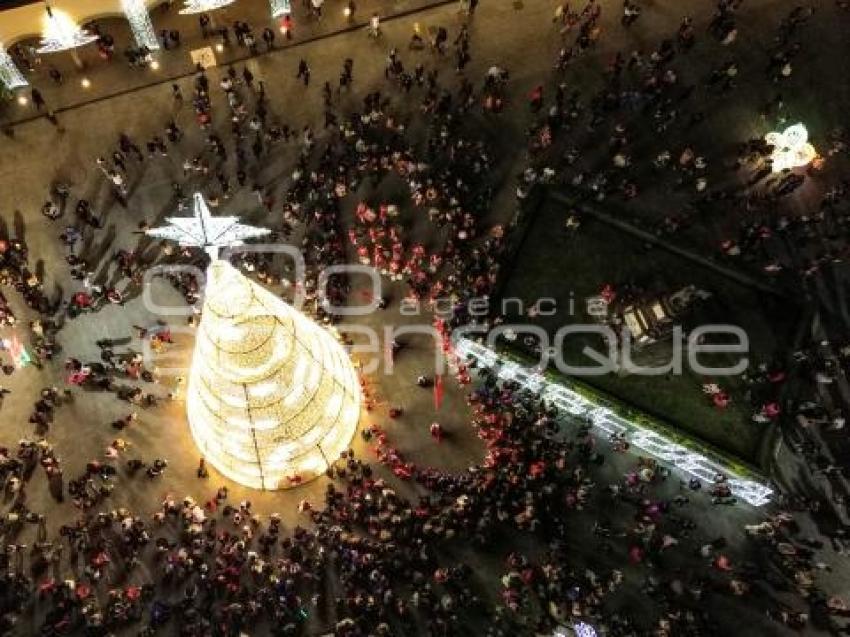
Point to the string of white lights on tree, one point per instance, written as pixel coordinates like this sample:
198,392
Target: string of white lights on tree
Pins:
280,7
202,6
651,442
273,398
10,76
61,33
140,23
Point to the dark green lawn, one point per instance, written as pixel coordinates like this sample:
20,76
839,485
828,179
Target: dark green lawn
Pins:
553,263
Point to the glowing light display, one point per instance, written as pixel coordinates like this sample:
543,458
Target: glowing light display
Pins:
10,75
791,148
569,401
140,23
205,231
584,630
280,7
61,33
202,6
273,398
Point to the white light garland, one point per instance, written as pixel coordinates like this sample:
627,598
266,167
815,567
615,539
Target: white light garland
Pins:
205,231
791,148
61,33
10,76
273,398
272,395
280,7
583,629
202,6
140,23
567,400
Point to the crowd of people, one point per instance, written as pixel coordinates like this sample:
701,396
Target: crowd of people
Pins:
395,547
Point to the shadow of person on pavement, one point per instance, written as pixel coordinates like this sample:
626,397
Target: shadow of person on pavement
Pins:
20,227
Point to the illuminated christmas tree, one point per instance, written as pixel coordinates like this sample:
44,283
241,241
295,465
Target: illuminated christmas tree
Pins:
273,397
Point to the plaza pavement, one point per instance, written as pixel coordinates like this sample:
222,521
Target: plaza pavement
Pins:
38,153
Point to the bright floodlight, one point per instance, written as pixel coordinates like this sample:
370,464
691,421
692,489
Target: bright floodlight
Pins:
791,148
272,395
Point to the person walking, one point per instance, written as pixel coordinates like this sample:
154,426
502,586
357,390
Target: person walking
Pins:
248,78
177,96
347,75
268,38
37,99
375,26
303,72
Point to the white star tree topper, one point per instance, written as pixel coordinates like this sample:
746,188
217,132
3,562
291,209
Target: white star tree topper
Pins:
205,231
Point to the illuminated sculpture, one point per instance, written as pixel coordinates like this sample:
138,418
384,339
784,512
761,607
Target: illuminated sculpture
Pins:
272,397
140,23
202,6
10,76
791,148
61,33
280,7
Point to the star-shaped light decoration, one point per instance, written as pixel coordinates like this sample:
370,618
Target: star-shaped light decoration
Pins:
791,148
61,33
202,6
205,231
